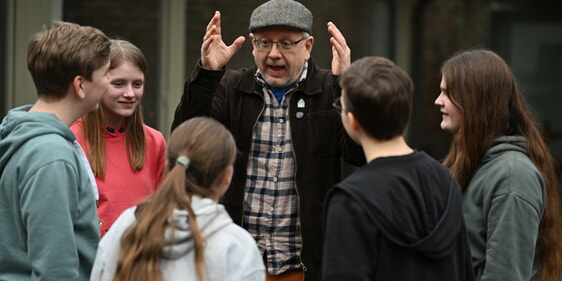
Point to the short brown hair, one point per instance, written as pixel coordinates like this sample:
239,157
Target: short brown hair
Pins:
379,94
62,51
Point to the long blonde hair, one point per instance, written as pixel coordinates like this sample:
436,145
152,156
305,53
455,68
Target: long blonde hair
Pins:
210,149
94,130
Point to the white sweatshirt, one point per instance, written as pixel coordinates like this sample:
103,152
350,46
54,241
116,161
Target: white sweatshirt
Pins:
230,252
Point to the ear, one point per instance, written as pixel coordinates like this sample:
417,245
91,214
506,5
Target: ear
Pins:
224,181
251,35
227,175
308,45
78,87
353,123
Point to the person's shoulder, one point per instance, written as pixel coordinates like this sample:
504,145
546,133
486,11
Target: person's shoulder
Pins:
315,70
232,75
426,162
509,173
355,184
126,217
50,146
77,126
234,234
251,70
508,163
518,161
360,175
50,153
78,129
435,172
121,224
153,133
242,78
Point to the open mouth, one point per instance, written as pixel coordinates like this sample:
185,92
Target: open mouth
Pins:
276,68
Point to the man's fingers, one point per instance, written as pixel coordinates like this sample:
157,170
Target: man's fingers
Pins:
237,44
215,20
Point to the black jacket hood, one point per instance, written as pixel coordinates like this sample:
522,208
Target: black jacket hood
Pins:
426,218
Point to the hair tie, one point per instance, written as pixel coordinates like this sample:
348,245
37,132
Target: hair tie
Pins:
184,161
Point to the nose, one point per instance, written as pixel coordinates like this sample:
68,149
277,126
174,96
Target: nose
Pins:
274,52
128,91
438,101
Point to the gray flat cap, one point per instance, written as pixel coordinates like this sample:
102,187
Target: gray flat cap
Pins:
281,14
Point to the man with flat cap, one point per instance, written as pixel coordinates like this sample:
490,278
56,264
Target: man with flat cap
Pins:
289,136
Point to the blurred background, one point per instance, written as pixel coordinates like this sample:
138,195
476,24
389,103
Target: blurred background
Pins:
417,34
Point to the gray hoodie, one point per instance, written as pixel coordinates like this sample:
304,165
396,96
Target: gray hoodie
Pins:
48,214
230,253
503,206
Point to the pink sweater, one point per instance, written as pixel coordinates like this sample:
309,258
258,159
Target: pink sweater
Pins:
122,187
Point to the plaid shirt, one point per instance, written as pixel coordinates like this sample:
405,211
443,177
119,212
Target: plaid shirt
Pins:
271,203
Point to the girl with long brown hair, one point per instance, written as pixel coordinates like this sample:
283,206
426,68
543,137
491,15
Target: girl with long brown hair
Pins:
126,155
511,199
181,232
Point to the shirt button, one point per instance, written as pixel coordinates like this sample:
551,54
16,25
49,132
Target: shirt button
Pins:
281,120
275,179
279,149
271,209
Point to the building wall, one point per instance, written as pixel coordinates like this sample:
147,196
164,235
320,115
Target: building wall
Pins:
417,34
135,21
525,33
140,23
348,16
442,27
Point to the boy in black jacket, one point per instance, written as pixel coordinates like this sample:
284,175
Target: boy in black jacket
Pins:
399,217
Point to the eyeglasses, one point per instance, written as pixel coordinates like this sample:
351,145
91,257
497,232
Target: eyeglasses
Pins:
337,105
284,45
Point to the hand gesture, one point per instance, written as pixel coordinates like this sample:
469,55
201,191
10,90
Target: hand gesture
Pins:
214,52
341,54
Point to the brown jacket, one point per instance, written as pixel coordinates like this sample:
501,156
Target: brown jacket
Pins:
234,98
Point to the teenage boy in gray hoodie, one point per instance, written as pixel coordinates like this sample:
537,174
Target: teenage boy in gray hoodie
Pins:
47,199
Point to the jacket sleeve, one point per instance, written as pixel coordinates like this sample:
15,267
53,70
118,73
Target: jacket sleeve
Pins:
99,266
105,264
49,209
199,94
249,263
232,254
512,234
349,241
513,221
